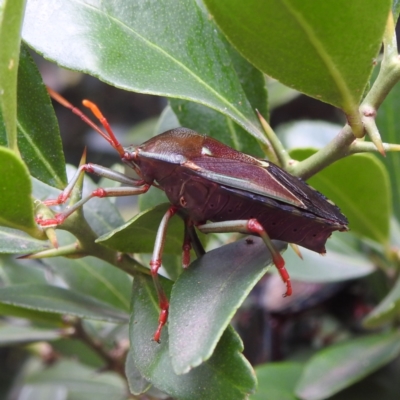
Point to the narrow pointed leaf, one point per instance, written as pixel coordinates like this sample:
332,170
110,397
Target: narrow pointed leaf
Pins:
227,373
149,47
11,16
11,335
340,366
16,208
55,299
38,134
33,315
207,295
323,49
18,272
14,241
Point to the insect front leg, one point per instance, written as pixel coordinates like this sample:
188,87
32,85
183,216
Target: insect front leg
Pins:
134,187
252,226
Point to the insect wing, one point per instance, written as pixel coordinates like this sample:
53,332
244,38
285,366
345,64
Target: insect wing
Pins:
269,181
248,177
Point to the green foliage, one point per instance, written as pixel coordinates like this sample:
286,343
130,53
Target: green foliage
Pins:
209,60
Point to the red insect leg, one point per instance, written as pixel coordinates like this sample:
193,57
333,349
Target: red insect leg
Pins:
155,264
255,227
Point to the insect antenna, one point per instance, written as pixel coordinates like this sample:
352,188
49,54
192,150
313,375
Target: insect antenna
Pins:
108,135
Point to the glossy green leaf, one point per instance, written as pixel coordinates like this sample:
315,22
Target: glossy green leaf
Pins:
16,208
14,241
38,134
389,127
205,120
339,366
12,335
207,295
387,310
360,186
167,48
11,16
58,300
79,382
324,49
94,278
139,233
226,375
277,380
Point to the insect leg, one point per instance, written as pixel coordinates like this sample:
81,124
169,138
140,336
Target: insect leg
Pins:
155,264
96,170
254,227
190,240
99,192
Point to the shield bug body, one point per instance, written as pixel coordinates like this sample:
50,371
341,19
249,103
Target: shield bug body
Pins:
216,189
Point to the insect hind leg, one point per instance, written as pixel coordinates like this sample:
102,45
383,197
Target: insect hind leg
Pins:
252,226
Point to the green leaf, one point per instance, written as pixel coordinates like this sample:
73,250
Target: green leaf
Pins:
139,233
79,382
17,272
387,310
206,296
12,335
14,241
12,13
94,278
77,350
167,48
360,186
226,375
137,384
277,380
58,300
33,315
388,123
323,49
38,134
339,366
205,120
16,209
